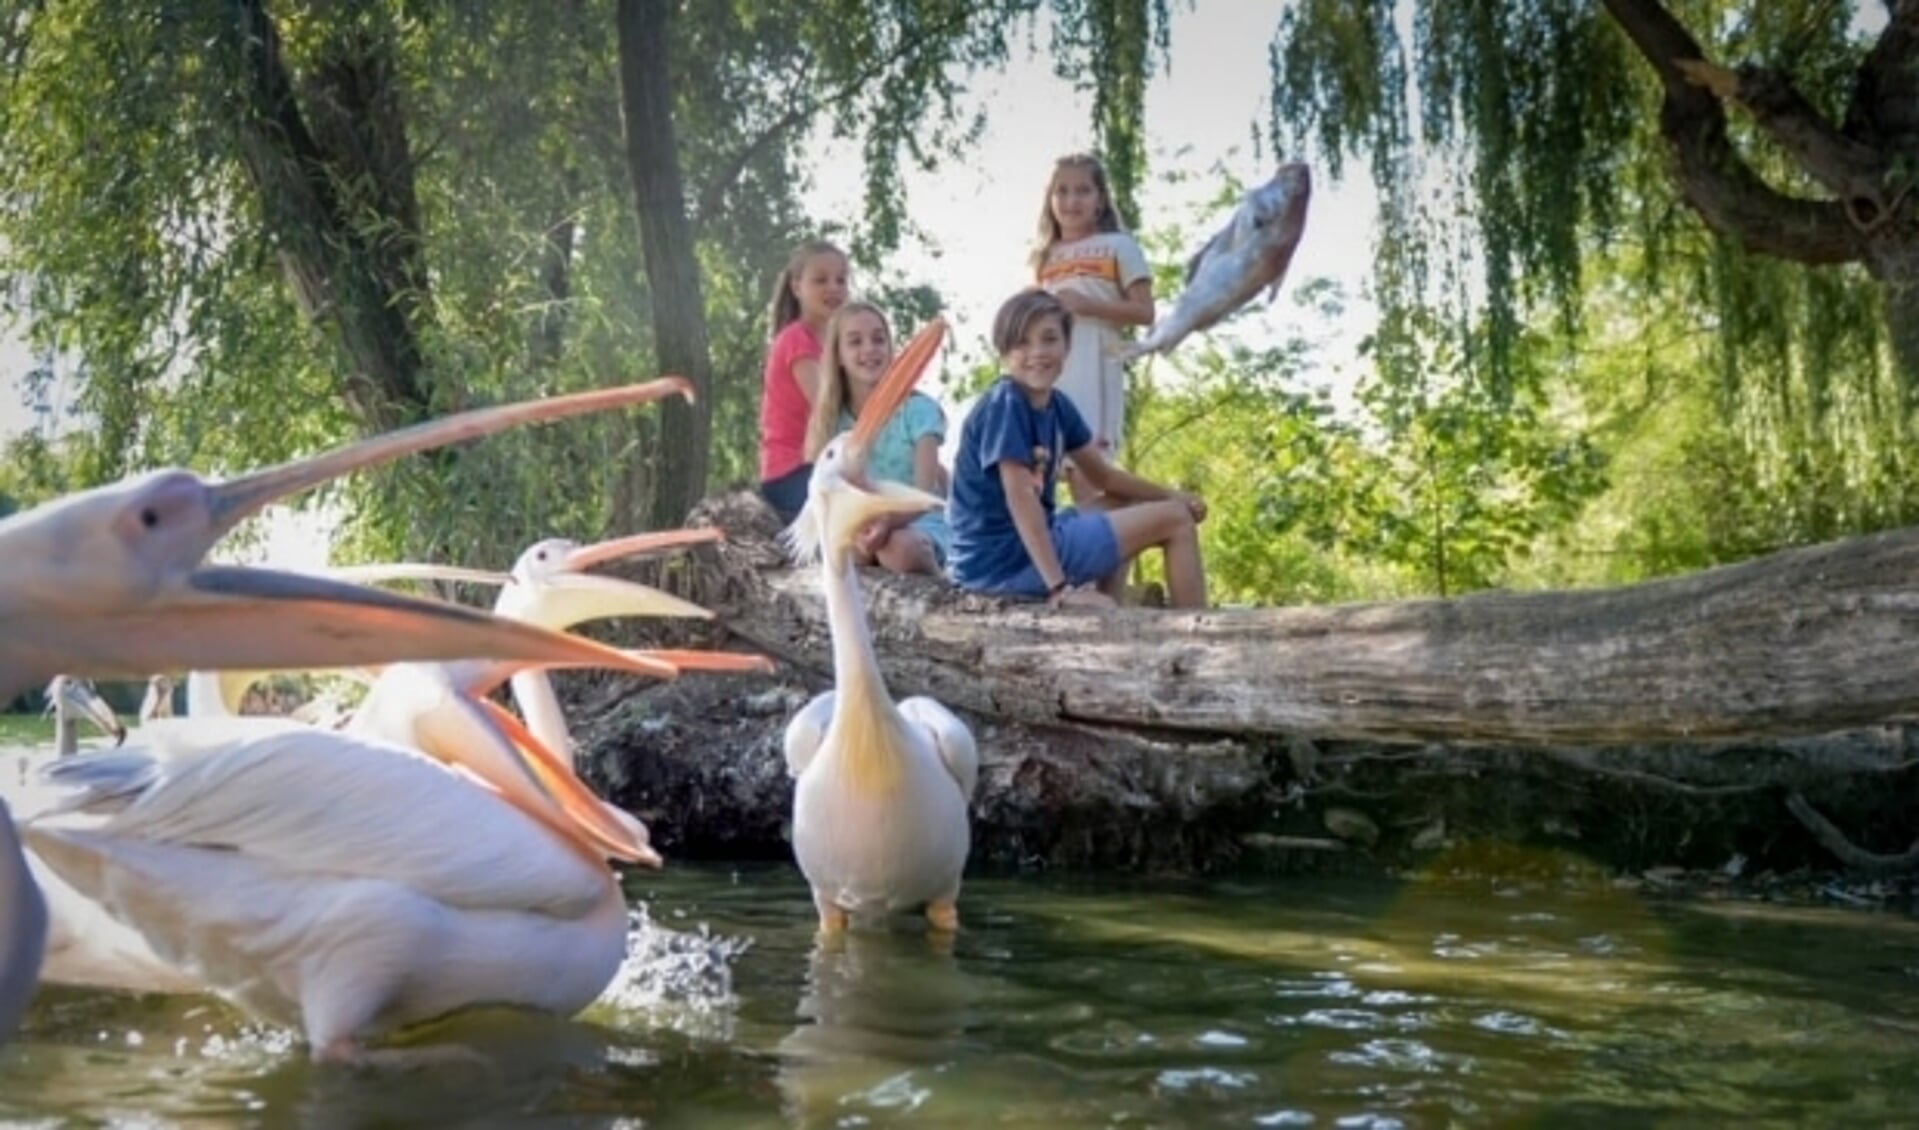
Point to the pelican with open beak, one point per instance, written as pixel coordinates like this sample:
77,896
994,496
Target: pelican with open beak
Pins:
881,791
109,581
551,587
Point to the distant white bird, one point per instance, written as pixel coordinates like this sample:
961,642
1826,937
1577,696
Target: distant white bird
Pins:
158,702
880,801
71,699
109,581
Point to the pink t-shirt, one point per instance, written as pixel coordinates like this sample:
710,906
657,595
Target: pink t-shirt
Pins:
783,407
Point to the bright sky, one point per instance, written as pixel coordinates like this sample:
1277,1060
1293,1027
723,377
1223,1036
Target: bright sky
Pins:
979,213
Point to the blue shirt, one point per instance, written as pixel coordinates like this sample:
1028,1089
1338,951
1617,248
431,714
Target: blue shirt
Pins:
1005,425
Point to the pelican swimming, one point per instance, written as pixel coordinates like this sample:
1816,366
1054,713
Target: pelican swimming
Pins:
881,791
346,887
109,581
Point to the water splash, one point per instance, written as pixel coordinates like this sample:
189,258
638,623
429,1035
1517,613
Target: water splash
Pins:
677,979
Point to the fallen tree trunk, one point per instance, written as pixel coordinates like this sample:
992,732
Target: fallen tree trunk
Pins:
1155,741
1800,642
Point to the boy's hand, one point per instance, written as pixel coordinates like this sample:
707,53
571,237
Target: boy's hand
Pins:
1081,596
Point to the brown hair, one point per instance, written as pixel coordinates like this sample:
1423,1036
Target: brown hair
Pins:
824,423
784,310
1107,220
1018,313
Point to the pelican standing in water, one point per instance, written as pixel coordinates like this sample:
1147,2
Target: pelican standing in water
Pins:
109,581
881,793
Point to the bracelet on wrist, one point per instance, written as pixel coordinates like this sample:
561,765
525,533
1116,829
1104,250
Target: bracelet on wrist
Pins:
1056,588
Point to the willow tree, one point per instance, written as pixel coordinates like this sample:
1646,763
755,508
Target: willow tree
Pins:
1746,165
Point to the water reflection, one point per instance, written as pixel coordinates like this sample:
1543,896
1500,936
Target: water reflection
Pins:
883,1012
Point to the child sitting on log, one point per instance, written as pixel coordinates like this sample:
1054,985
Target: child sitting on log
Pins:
858,348
1008,535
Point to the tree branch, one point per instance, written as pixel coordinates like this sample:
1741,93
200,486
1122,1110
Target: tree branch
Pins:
1843,849
810,104
1715,180
1853,170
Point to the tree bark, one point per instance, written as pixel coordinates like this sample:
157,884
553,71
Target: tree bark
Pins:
337,190
1800,642
672,270
1077,779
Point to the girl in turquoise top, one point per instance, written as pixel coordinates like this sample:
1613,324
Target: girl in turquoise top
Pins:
857,349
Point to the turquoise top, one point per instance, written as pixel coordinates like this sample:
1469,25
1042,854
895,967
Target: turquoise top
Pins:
891,459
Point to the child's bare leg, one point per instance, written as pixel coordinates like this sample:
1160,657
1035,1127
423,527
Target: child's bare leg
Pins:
908,551
1170,525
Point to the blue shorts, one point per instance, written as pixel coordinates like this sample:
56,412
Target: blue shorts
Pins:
787,494
933,528
1088,551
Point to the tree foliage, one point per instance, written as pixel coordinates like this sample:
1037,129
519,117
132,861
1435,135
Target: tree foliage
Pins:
1732,177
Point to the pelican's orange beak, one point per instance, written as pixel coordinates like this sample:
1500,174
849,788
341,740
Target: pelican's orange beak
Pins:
614,832
893,389
599,553
728,661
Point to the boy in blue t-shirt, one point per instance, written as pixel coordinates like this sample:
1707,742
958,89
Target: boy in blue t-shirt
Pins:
1008,534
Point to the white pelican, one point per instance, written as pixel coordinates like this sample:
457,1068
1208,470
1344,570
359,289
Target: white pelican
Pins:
550,587
881,793
71,699
347,887
108,581
158,702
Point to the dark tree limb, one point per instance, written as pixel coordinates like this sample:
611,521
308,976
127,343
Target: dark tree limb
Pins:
1715,180
666,243
811,101
1843,849
1852,169
356,271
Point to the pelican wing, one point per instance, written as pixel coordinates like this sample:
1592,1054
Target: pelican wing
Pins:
306,803
950,736
805,732
109,780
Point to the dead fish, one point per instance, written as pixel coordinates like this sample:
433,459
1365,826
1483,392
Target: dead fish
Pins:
1250,252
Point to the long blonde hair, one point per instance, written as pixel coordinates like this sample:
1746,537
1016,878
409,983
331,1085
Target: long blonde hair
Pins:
784,310
1107,220
824,423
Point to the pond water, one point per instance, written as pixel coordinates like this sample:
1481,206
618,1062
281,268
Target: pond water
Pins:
1558,999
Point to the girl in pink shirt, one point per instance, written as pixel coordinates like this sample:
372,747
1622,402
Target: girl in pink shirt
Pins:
812,286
